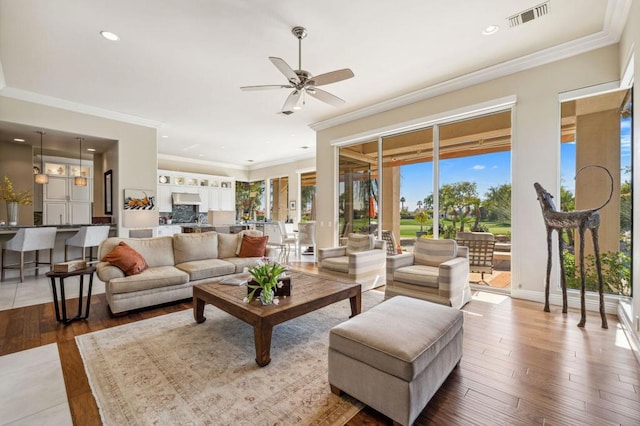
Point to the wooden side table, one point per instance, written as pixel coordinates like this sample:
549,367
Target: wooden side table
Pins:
62,275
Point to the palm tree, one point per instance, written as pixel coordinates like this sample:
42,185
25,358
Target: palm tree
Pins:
402,201
419,203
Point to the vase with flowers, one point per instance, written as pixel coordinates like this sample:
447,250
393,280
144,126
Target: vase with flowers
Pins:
266,277
13,199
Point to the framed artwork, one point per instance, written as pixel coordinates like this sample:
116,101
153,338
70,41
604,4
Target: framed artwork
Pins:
139,199
292,205
108,192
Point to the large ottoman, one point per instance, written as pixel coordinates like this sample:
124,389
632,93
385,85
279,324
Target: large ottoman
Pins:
395,356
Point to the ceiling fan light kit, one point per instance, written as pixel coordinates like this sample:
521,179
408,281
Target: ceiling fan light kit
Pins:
303,82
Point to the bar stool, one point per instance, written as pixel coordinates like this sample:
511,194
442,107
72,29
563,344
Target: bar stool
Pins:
29,239
87,236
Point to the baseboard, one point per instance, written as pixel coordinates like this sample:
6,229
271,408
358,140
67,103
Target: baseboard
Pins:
626,323
573,300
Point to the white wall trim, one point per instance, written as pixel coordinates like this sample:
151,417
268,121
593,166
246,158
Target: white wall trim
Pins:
627,79
585,92
573,300
616,15
169,157
37,98
469,111
3,82
627,325
310,155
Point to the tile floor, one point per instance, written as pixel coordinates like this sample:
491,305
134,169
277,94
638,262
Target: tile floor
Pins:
32,390
37,289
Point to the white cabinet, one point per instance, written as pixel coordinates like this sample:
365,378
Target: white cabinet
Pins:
227,199
204,200
64,202
164,198
55,213
214,199
56,189
80,213
169,230
80,193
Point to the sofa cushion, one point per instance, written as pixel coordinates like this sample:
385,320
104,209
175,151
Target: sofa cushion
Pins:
338,264
157,251
227,245
400,336
195,246
243,262
126,258
253,246
434,252
426,276
208,268
359,242
249,232
161,276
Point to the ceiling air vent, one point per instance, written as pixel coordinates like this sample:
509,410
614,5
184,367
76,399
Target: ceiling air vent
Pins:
529,14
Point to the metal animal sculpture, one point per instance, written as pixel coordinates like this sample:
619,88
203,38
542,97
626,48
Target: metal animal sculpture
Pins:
577,219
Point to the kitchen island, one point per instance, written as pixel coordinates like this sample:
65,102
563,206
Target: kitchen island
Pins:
64,232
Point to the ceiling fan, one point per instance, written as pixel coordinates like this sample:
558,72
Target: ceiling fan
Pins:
303,82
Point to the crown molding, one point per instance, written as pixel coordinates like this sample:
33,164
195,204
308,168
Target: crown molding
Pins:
170,157
615,19
279,162
36,98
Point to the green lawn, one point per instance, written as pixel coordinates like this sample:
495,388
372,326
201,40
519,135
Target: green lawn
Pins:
408,227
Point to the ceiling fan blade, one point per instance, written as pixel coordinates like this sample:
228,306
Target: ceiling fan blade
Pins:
292,100
267,87
332,77
285,69
326,97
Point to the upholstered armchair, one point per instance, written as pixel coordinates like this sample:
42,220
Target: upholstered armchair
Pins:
361,260
437,271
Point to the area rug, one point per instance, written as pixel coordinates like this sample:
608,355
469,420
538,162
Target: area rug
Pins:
170,370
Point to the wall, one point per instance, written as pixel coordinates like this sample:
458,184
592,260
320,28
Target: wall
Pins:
16,162
535,150
134,143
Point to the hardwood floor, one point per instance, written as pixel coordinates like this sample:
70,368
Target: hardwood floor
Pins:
520,365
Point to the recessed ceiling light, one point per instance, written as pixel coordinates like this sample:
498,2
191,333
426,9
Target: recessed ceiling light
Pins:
250,161
164,136
109,35
491,29
91,149
304,147
18,140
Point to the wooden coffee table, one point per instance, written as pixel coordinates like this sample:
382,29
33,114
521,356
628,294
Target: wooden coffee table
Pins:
308,293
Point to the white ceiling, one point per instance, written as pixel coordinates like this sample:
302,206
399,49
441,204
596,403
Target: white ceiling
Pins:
179,64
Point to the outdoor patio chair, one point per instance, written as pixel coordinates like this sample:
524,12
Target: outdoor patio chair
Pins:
481,248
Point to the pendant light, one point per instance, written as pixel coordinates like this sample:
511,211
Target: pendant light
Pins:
80,180
41,177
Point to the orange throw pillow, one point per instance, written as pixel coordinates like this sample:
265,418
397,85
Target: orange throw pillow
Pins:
253,246
126,258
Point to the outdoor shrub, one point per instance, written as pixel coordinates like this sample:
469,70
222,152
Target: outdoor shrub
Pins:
616,272
480,228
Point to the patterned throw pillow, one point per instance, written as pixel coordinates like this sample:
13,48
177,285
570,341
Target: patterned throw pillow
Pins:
126,258
359,242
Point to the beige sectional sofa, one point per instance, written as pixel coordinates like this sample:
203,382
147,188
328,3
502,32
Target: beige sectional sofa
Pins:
175,263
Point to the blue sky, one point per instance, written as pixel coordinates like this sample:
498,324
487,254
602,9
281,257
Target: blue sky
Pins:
485,170
494,169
